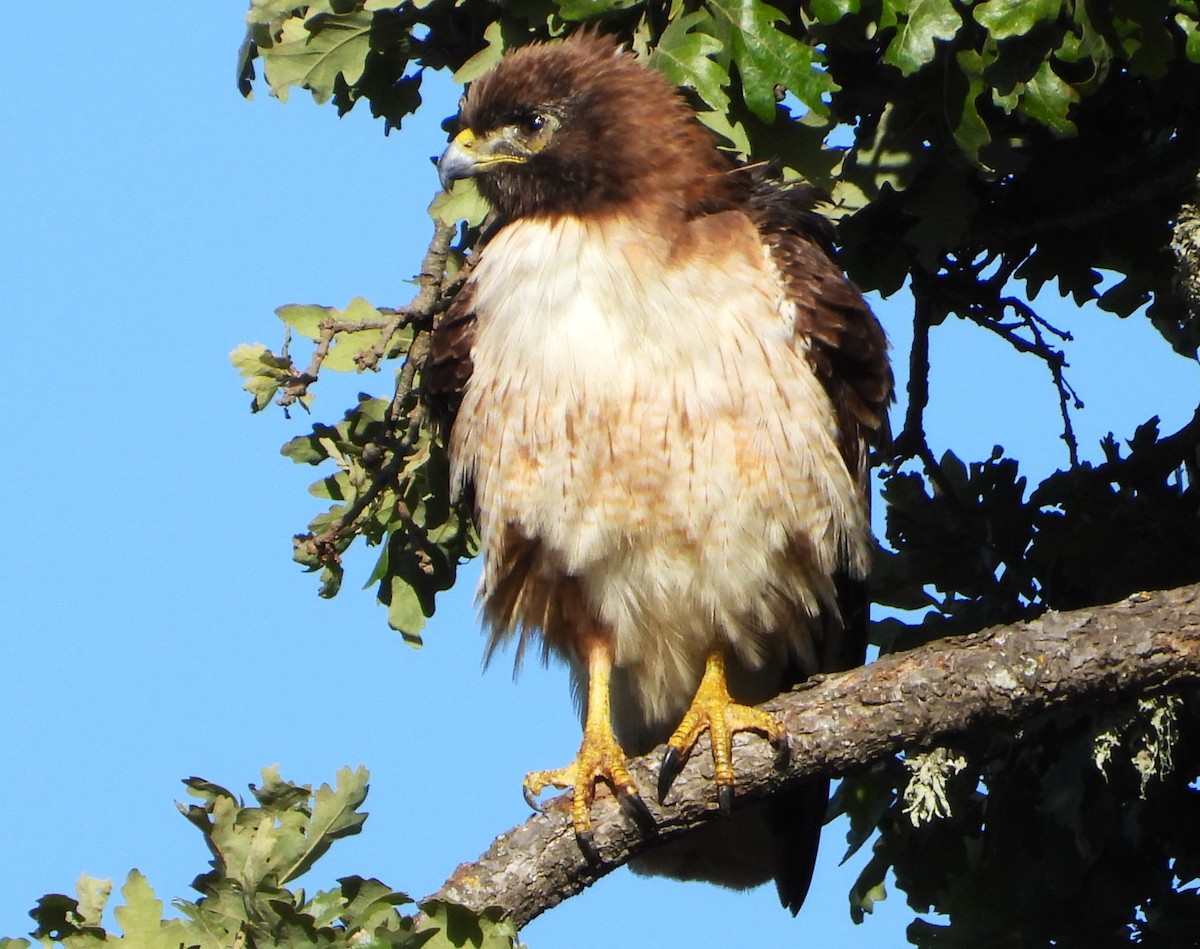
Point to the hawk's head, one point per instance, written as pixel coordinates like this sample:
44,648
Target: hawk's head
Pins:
580,127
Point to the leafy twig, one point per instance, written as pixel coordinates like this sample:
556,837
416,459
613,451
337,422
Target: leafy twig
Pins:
327,544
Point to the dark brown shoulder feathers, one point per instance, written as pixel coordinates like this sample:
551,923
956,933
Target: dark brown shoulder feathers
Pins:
847,346
449,364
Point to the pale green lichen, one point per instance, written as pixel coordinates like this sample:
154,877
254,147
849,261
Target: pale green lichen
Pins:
925,794
1103,746
1004,679
1149,731
1155,755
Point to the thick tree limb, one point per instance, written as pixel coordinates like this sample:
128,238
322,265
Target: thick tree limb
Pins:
929,696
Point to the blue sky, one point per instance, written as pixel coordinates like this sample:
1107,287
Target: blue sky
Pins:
152,624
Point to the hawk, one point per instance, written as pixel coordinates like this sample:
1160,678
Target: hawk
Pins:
661,390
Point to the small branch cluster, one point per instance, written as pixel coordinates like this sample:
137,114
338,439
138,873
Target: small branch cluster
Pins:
404,411
433,297
962,288
298,383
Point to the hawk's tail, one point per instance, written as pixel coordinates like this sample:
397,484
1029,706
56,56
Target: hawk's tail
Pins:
796,819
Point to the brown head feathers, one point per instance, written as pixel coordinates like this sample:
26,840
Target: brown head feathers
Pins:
579,126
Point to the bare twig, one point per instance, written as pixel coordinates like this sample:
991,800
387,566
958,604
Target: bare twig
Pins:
1054,359
911,442
963,290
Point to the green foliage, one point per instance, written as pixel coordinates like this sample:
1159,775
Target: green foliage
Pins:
244,900
688,57
766,56
983,550
392,494
988,105
388,486
357,337
919,26
976,152
263,371
318,53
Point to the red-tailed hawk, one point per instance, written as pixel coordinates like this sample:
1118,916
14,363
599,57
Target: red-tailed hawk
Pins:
661,389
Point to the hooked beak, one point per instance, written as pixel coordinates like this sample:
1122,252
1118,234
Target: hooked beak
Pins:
459,160
469,155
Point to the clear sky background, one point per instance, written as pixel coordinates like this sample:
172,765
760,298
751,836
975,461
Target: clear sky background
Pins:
152,624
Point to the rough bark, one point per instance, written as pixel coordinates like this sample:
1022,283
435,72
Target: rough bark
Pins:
1186,246
929,696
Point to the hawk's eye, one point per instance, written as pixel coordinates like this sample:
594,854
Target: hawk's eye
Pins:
532,124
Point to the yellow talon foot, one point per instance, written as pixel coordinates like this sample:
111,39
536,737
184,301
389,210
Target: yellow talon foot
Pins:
600,758
714,710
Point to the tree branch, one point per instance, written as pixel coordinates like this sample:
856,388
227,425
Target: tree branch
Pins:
937,693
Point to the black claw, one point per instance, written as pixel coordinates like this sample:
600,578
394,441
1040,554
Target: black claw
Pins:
636,810
587,846
725,798
532,801
668,771
783,752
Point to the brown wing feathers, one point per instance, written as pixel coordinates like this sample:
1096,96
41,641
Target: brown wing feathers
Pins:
848,349
449,364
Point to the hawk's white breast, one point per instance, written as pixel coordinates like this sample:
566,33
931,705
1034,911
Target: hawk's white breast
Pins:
642,407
